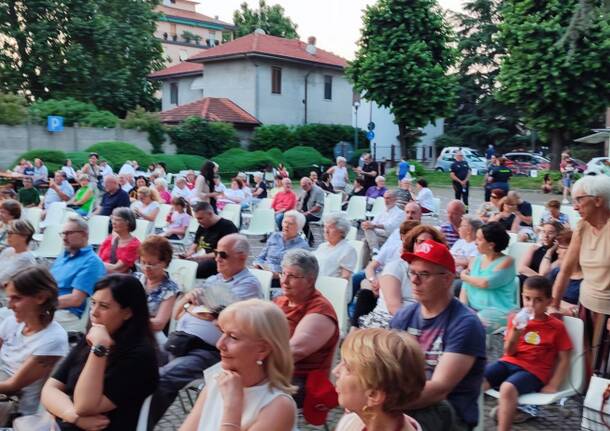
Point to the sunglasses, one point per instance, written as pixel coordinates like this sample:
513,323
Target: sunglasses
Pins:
221,254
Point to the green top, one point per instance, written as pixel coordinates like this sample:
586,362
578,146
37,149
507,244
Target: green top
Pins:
29,197
79,195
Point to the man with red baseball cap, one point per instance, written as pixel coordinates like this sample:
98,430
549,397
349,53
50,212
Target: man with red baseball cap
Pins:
452,338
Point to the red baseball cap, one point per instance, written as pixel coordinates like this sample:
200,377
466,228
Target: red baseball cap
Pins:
320,397
433,252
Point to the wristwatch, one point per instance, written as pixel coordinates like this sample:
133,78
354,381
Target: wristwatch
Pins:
100,351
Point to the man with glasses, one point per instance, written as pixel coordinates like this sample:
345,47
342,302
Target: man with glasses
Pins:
196,324
452,338
383,224
76,271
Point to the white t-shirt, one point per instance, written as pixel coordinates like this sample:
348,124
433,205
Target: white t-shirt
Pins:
390,219
127,169
145,209
398,269
13,262
333,259
391,249
17,348
184,192
425,198
338,176
462,248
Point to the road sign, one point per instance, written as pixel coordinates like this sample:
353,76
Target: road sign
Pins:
370,135
371,126
344,149
55,123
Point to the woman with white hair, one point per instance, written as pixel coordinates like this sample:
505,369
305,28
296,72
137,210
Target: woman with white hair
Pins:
589,247
181,189
336,257
164,194
259,191
339,174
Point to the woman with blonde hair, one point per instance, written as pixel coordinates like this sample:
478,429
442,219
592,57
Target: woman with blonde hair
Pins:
252,390
147,206
381,372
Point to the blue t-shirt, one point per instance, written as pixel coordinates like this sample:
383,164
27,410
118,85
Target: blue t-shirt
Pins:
457,330
403,169
80,271
572,292
120,198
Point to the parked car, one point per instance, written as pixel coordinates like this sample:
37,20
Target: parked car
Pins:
443,162
580,165
465,150
597,166
523,163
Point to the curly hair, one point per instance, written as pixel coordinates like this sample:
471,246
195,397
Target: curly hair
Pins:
409,243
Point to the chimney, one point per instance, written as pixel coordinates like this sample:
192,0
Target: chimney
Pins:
311,45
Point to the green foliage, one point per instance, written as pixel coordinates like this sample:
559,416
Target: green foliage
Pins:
238,160
100,119
269,18
71,109
302,159
149,122
53,159
96,51
173,162
13,109
197,136
557,92
419,168
272,136
191,161
117,152
79,159
402,63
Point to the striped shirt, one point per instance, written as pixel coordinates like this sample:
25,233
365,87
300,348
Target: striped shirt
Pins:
451,235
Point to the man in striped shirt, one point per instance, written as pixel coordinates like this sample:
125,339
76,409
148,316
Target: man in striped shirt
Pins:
455,211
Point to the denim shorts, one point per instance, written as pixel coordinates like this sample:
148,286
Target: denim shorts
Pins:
524,381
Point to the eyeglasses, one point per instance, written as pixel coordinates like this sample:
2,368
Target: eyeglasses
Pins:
579,198
68,232
290,276
221,254
424,275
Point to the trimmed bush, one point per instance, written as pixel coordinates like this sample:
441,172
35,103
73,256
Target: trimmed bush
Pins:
191,161
116,152
302,159
237,160
100,119
79,159
419,168
53,159
173,162
13,109
272,136
71,109
149,122
197,136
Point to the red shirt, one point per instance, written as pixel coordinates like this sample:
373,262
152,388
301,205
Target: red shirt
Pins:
538,346
284,201
317,303
127,253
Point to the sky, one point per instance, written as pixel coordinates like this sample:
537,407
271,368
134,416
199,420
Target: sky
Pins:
335,23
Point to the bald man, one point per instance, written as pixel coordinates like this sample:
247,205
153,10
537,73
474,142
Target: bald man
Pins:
114,197
455,212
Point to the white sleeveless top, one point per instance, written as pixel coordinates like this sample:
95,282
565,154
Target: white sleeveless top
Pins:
255,399
338,178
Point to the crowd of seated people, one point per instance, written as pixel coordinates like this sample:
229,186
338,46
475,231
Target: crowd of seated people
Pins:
414,359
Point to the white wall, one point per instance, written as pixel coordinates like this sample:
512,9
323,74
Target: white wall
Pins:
234,80
185,93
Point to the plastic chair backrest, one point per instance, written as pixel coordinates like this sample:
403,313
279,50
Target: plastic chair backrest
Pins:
576,376
572,214
359,247
356,208
262,222
143,416
378,207
51,245
517,249
335,290
513,238
232,212
517,285
264,278
98,229
143,227
332,202
55,214
264,204
33,215
437,205
352,234
184,273
193,225
537,211
161,220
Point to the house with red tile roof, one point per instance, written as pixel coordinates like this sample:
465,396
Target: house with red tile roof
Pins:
275,80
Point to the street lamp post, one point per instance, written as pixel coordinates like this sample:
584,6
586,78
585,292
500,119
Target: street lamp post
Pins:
356,106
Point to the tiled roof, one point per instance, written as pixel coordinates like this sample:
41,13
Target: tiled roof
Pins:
180,13
212,109
265,45
181,69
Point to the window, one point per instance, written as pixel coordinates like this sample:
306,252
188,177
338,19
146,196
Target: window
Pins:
276,80
173,93
328,87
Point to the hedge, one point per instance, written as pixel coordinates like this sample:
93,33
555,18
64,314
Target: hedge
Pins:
198,136
100,119
53,159
302,159
238,160
179,162
116,152
71,109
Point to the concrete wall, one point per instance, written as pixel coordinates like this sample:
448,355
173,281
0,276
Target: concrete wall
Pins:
15,140
235,80
186,93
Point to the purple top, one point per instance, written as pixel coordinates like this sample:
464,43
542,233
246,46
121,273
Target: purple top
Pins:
375,192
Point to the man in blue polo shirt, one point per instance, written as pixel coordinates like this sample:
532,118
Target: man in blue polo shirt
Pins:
460,174
76,271
114,197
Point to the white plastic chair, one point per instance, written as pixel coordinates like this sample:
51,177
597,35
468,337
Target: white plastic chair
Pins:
264,278
143,417
516,250
264,204
51,244
574,380
572,214
335,290
262,223
537,211
332,202
356,208
184,273
352,234
143,228
232,212
378,207
359,247
81,326
161,220
98,229
33,215
436,213
54,215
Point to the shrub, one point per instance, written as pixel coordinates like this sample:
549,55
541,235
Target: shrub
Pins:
197,136
79,159
302,159
100,119
149,122
13,109
173,162
71,109
191,161
116,152
53,159
272,136
419,168
237,160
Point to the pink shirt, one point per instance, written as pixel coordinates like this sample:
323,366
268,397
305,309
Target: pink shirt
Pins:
284,201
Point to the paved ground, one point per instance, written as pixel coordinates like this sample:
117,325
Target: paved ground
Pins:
552,418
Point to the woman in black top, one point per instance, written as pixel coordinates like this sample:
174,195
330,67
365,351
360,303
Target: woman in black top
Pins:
530,263
358,189
106,378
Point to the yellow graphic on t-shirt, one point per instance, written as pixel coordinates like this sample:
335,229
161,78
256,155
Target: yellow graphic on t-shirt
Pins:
532,337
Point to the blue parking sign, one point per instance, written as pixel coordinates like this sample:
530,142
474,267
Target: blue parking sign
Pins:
370,135
55,123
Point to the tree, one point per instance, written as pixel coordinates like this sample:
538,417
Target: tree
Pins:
13,109
269,18
201,137
403,57
558,93
480,119
97,51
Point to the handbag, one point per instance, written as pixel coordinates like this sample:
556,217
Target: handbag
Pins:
596,409
180,343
